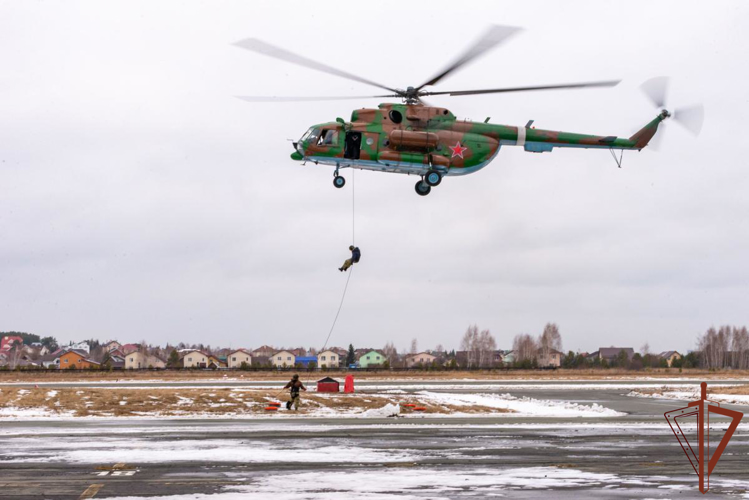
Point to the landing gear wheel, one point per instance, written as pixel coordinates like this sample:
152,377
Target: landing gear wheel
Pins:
422,188
339,181
433,178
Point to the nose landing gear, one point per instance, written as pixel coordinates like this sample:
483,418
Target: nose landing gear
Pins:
339,181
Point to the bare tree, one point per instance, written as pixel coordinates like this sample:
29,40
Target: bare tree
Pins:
714,345
439,348
486,346
525,347
740,348
14,356
550,340
390,352
469,344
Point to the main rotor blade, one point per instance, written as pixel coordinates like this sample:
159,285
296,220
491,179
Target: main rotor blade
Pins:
690,117
269,50
493,37
260,98
655,89
608,83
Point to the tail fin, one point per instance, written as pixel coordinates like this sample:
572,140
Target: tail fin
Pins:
642,137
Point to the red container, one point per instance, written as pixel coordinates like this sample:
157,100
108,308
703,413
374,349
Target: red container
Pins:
349,385
328,385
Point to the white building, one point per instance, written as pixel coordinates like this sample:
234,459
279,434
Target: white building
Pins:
282,359
329,359
421,359
80,346
137,360
194,359
236,358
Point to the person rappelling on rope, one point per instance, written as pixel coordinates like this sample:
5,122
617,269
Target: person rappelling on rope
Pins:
294,386
355,256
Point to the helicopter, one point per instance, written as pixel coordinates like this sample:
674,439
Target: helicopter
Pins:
416,138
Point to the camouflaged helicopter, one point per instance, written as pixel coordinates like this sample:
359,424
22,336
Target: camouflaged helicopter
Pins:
428,141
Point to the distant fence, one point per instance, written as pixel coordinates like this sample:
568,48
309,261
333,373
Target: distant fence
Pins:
267,369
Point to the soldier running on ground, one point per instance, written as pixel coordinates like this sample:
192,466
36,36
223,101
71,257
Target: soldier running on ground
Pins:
295,385
355,256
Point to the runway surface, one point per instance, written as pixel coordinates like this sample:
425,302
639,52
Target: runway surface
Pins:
415,457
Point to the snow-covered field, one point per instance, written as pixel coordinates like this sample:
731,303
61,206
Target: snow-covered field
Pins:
523,406
385,404
690,395
413,484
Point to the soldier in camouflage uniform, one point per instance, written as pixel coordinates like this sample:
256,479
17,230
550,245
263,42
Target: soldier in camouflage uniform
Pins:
355,256
294,386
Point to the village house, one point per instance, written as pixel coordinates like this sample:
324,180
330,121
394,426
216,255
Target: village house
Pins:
329,359
610,353
128,348
116,362
192,358
265,351
138,360
420,359
669,356
117,353
342,353
111,346
80,346
371,359
214,362
36,348
52,360
236,358
554,360
283,359
7,343
76,359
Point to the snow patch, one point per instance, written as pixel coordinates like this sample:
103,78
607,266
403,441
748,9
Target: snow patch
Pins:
524,406
389,410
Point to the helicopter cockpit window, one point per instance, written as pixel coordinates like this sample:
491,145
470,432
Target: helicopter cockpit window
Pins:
311,135
328,138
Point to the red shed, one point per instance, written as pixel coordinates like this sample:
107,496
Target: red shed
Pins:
328,385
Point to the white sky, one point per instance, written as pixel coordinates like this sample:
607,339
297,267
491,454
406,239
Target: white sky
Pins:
142,200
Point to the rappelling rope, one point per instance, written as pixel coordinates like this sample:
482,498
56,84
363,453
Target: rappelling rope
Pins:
353,209
351,269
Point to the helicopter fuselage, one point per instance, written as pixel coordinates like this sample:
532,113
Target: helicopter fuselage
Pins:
417,139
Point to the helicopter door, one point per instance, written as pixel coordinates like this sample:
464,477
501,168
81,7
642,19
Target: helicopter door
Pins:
353,145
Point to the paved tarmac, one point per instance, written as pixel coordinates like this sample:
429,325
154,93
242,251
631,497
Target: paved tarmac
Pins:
632,456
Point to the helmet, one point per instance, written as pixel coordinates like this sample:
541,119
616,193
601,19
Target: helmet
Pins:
295,377
351,247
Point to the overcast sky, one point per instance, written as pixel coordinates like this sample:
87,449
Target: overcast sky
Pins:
142,200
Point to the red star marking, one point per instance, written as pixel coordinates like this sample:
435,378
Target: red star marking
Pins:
458,150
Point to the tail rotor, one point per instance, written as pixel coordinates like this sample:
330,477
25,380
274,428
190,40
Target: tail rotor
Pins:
689,117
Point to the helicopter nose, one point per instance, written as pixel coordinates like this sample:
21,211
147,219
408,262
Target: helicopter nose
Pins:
297,154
